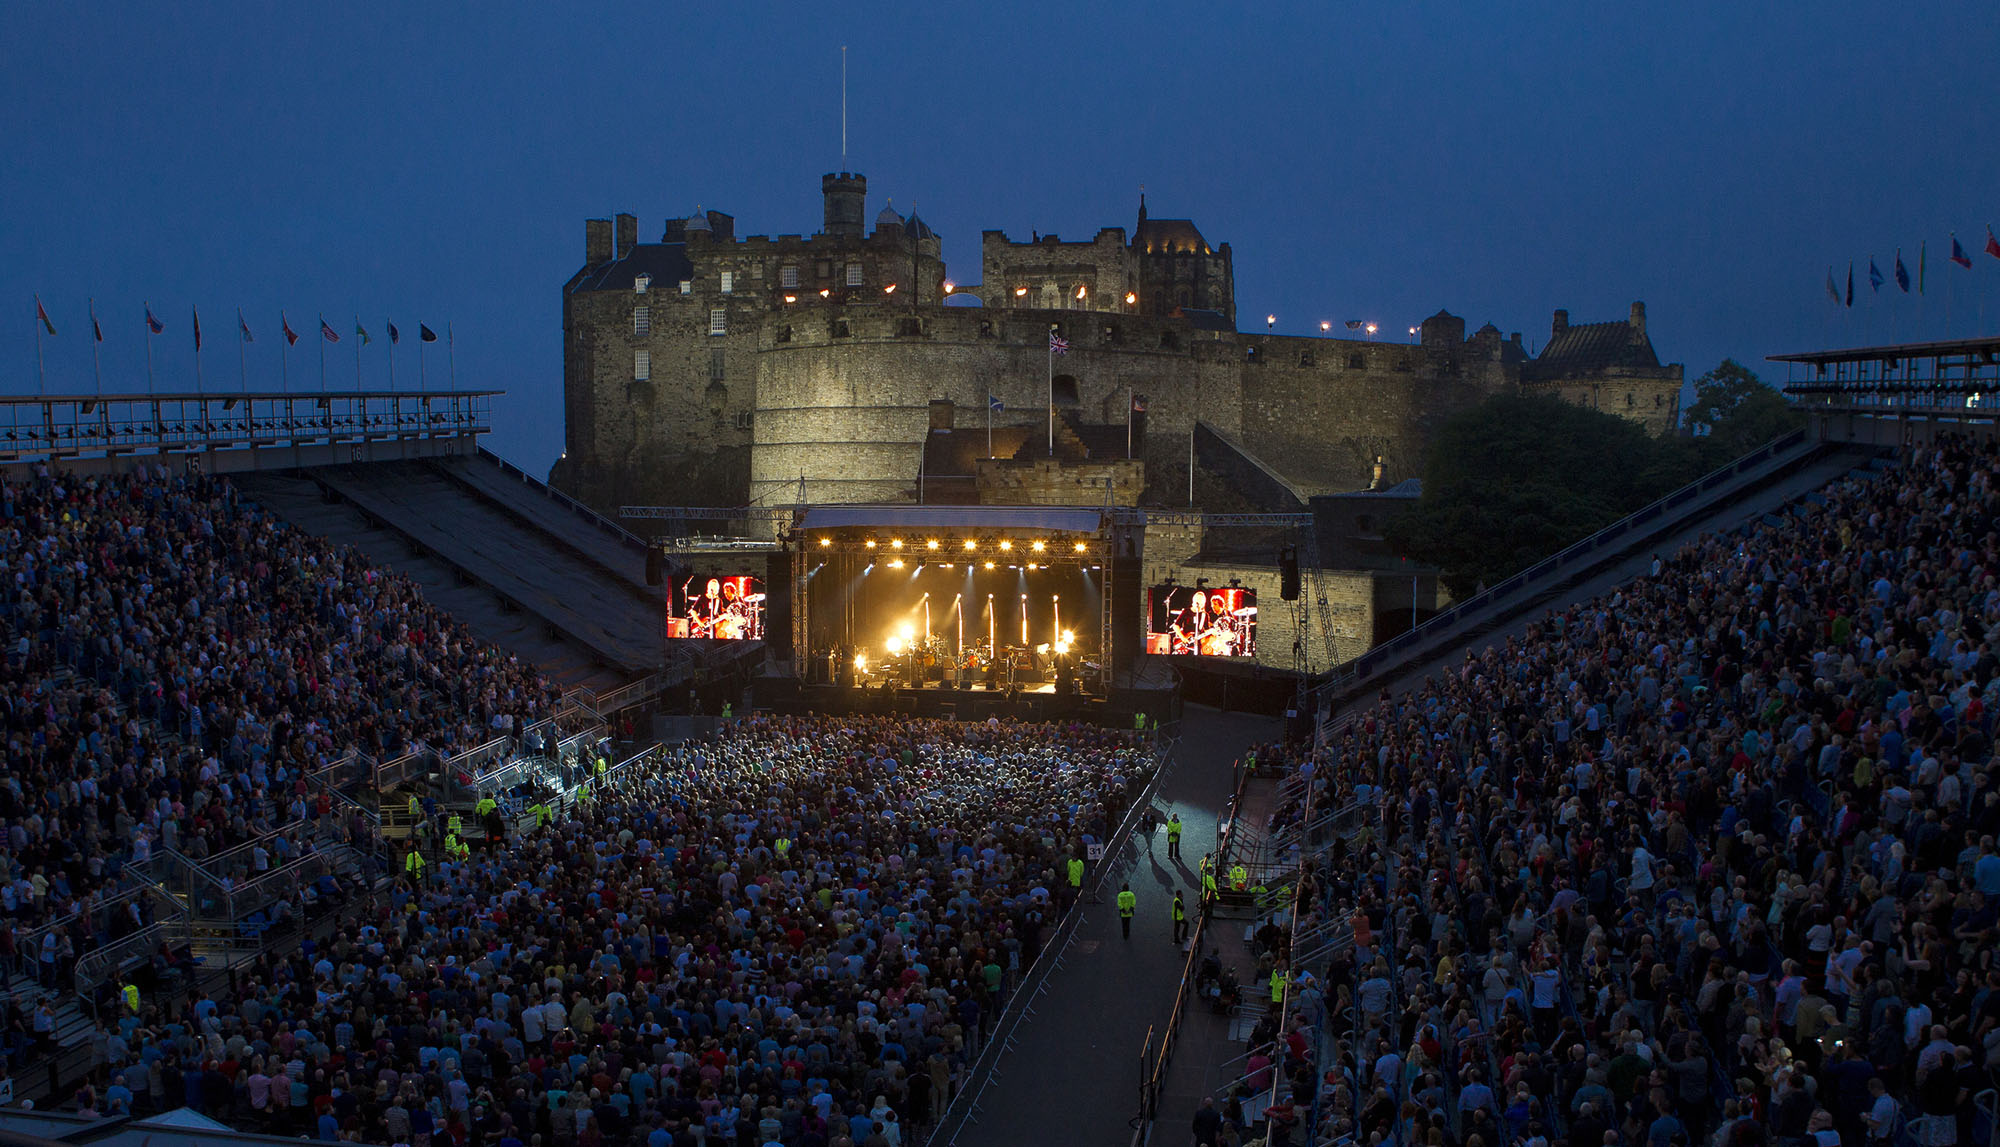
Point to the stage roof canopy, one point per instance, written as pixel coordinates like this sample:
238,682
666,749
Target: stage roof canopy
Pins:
1064,519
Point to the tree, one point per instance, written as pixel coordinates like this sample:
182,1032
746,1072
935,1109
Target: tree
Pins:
1735,412
1518,478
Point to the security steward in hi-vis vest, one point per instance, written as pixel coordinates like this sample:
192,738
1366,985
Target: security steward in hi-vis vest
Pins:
413,866
1126,903
1180,919
1075,874
1174,836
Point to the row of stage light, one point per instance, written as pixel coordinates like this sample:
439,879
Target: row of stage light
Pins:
967,545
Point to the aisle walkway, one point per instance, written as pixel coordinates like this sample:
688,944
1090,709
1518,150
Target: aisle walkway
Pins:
1073,1074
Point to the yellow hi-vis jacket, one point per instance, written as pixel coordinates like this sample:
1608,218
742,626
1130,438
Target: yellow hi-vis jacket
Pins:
1126,903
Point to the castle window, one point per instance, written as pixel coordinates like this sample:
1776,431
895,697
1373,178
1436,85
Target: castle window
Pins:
910,328
715,365
1112,335
1631,400
823,268
642,365
785,334
1254,354
840,328
1659,400
854,274
1357,362
642,321
640,283
728,282
986,328
687,286
1305,358
1169,340
788,277
756,270
718,320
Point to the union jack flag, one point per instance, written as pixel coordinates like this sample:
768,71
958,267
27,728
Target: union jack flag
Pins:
1058,344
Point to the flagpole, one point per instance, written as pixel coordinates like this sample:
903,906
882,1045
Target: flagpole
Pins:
451,350
989,424
420,356
96,357
392,362
40,382
359,341
242,356
284,354
1052,390
149,348
1128,422
197,349
322,350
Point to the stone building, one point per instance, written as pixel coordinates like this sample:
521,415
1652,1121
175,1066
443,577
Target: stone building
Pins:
707,369
1610,367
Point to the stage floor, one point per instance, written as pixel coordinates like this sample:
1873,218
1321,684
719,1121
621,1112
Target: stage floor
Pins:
874,684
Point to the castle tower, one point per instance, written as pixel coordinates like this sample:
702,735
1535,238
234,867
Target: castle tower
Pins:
846,197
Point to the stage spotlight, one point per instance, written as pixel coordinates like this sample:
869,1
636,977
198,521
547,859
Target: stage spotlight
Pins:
861,663
895,543
932,544
1038,547
989,565
1005,546
1031,565
896,563
1079,547
970,544
826,541
908,633
950,566
894,645
870,543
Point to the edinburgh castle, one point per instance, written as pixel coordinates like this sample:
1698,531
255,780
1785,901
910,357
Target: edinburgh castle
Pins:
707,369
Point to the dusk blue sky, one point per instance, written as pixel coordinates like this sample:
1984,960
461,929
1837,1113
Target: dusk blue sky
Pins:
436,163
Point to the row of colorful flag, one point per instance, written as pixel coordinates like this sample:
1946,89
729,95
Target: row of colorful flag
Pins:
1902,271
155,326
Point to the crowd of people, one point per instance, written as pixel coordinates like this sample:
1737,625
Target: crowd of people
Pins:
177,661
791,934
1707,860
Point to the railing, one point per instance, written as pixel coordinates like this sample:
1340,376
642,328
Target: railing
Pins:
1483,601
621,534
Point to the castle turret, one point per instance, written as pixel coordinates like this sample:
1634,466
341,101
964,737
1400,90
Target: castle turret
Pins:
846,198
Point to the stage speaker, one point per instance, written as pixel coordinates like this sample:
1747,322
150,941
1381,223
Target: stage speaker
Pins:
778,605
1288,573
654,563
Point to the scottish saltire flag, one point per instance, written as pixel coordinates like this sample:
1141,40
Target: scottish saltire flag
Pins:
1958,254
1850,284
1058,344
1874,275
394,336
425,334
1902,272
993,402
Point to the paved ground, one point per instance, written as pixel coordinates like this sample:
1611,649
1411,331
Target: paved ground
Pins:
1073,1074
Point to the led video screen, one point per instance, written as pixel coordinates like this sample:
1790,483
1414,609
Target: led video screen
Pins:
1194,622
718,608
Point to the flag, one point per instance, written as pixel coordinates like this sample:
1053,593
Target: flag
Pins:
197,327
291,336
1958,254
1138,404
426,334
42,313
1992,244
993,402
243,325
328,333
153,324
361,332
1874,275
1058,344
1850,284
1902,272
96,331
1354,324
394,337
1832,288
